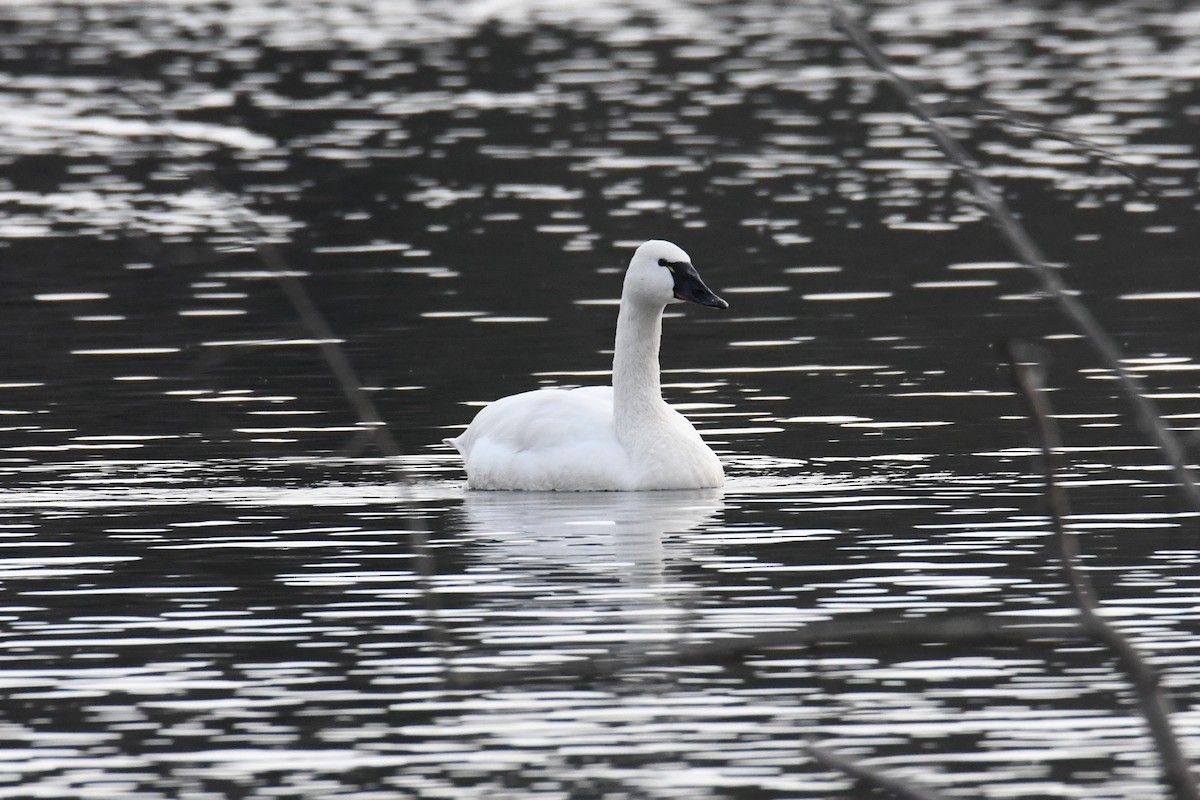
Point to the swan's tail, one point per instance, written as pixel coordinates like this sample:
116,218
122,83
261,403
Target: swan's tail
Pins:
453,443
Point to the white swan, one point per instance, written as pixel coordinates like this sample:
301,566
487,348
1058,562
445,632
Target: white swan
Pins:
603,438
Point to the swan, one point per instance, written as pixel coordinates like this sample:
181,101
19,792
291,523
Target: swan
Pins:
603,438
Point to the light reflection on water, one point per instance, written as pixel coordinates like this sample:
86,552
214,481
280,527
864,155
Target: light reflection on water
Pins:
210,587
521,579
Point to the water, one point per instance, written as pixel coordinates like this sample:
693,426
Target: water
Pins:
210,582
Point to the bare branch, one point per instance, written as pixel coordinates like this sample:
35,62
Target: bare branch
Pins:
966,629
1030,124
1028,374
896,786
1145,413
369,419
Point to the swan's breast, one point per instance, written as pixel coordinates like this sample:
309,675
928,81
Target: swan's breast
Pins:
669,454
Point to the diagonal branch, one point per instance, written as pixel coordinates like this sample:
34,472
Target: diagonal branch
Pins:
1145,412
1030,124
369,419
892,784
955,629
1028,374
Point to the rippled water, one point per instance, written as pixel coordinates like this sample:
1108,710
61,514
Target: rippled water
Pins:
211,582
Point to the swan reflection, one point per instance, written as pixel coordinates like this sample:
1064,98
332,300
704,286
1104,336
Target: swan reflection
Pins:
588,540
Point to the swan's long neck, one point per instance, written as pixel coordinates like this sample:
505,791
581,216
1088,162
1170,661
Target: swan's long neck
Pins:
637,395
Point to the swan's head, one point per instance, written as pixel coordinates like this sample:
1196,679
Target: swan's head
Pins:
662,273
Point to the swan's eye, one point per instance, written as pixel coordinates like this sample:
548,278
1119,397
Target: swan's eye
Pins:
662,262
672,265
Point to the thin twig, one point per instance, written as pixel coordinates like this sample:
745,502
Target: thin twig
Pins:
894,785
1145,412
1028,123
369,419
973,628
1028,374
364,407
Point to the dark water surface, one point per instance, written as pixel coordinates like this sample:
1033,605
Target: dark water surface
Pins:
210,582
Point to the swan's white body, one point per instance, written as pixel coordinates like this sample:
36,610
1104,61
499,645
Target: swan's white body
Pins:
603,438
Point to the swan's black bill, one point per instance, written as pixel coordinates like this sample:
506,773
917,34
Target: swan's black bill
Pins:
689,287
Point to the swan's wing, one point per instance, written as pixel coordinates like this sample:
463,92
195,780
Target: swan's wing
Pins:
543,418
545,439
